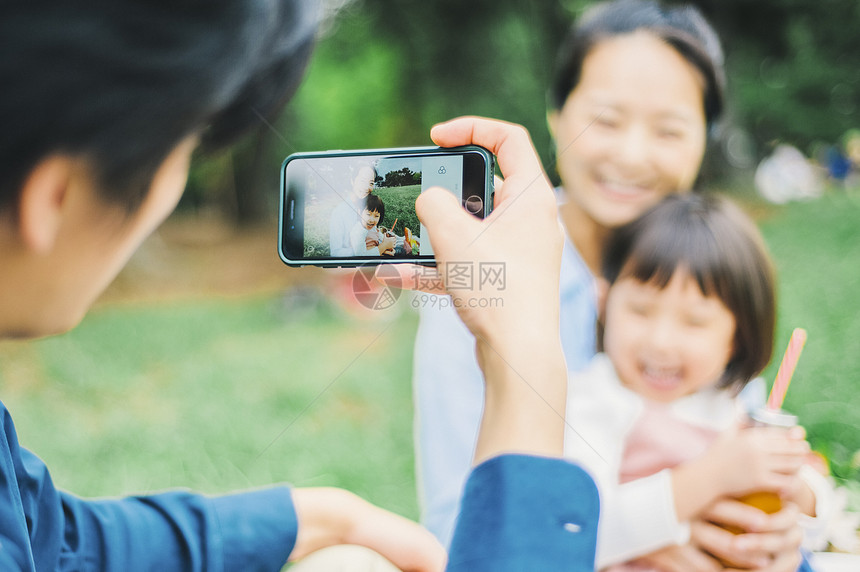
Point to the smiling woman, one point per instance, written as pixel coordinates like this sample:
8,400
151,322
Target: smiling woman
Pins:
631,132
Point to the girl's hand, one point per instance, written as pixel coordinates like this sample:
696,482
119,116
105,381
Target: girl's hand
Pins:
740,462
771,543
370,242
387,245
330,516
759,459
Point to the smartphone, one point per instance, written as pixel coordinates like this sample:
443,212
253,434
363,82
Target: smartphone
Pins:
354,208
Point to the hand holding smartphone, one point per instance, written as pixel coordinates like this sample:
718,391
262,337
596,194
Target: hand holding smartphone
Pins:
351,208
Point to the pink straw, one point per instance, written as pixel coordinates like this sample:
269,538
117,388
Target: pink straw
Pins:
786,369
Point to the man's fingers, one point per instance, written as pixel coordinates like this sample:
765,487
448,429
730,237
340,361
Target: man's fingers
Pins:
510,143
441,211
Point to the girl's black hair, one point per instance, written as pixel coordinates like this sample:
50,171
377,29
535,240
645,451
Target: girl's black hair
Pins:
684,28
721,248
121,82
374,203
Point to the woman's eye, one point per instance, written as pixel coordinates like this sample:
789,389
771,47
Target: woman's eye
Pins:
671,133
607,122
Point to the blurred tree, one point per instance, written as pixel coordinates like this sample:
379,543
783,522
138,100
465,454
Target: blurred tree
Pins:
793,66
400,178
385,71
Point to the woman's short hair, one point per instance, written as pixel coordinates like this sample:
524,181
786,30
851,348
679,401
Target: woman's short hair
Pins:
683,27
120,83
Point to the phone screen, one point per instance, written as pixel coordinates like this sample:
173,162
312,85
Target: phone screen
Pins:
342,209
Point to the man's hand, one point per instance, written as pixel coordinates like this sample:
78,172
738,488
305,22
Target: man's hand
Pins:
330,516
517,339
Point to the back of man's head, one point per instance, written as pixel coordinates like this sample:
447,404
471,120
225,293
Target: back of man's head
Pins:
120,82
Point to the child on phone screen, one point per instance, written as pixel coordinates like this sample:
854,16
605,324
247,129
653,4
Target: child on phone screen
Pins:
367,239
688,312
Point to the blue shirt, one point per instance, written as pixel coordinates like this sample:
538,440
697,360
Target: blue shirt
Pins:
449,388
42,528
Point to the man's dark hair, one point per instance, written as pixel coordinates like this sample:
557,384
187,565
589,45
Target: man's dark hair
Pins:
120,83
722,250
684,28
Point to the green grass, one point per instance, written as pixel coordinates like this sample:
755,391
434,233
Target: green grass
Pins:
816,246
400,206
224,394
219,395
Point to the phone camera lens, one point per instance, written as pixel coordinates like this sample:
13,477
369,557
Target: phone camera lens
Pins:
474,204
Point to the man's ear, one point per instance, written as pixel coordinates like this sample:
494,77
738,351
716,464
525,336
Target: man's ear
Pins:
40,208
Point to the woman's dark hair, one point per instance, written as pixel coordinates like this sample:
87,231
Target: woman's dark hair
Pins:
357,167
722,250
120,83
684,28
374,203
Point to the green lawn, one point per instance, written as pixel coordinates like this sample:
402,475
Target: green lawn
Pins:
816,246
400,207
223,394
217,395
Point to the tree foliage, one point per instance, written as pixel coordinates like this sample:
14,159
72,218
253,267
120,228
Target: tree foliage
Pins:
400,178
385,71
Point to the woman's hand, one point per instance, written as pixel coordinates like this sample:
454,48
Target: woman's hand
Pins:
771,543
330,516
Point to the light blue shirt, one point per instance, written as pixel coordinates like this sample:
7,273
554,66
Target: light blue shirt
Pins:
343,218
449,389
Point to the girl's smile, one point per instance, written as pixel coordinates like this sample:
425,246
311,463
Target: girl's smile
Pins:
670,342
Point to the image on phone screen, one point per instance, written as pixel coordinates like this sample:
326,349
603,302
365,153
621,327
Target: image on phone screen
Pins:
361,208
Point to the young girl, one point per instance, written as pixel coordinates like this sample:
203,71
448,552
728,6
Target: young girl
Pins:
367,232
688,317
